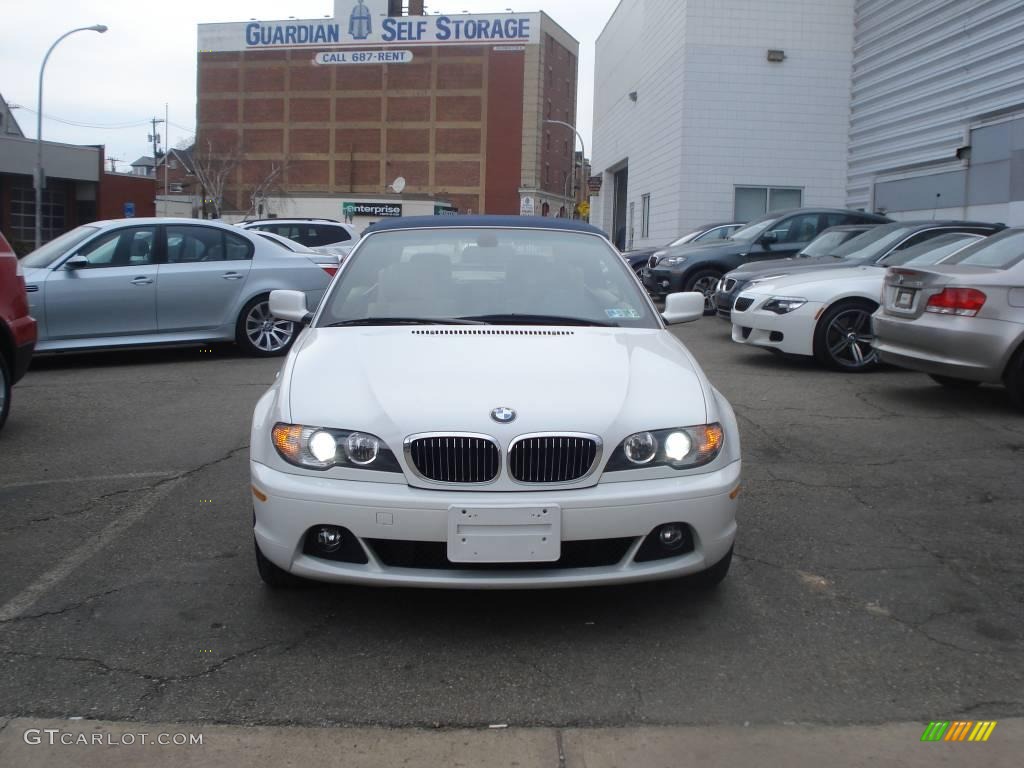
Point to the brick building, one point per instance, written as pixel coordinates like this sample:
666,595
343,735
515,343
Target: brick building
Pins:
455,105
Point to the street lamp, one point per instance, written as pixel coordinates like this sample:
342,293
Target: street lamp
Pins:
583,149
39,178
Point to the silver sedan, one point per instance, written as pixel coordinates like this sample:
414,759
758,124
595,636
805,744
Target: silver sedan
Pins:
961,322
129,282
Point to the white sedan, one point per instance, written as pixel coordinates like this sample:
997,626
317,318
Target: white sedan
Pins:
827,313
466,409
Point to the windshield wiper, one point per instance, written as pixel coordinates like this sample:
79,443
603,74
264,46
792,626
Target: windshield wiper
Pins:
406,321
513,318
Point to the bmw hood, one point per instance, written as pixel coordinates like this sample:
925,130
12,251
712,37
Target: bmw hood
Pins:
401,380
829,280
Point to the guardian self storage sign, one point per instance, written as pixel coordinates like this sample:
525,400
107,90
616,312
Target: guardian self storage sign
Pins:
366,23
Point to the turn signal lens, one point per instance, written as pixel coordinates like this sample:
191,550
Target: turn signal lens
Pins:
711,439
956,301
288,440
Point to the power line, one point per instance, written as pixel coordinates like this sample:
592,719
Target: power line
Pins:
78,124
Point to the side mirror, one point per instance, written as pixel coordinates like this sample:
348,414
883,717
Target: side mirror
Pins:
77,261
683,307
769,238
290,305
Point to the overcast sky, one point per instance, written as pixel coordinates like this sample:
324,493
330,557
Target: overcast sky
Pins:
148,58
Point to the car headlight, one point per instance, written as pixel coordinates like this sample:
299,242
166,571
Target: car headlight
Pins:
780,305
673,260
679,448
323,448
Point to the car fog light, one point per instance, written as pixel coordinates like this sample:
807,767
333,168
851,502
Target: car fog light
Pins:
323,446
329,538
671,536
640,448
677,446
362,448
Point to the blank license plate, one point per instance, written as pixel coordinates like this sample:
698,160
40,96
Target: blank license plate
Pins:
905,298
504,534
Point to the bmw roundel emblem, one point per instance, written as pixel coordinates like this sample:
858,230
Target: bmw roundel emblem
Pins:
503,415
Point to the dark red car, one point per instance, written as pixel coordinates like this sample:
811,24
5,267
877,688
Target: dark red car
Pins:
17,327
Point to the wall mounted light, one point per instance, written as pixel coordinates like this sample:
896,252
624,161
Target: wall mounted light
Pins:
776,55
632,96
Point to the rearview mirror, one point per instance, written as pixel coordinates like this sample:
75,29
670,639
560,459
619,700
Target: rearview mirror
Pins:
290,305
76,262
683,307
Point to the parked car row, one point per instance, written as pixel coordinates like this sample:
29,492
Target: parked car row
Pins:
700,266
942,297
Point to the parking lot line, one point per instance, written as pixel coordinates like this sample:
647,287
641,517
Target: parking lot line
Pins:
140,508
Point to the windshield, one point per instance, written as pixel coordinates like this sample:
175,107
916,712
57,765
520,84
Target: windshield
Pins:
826,243
930,251
1000,251
872,243
493,275
45,255
754,229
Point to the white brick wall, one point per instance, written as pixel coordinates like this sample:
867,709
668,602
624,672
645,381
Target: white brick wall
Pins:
713,113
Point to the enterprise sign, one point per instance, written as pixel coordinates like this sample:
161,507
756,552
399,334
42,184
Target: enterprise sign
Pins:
371,209
369,30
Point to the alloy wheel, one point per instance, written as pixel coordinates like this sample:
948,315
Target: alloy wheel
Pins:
266,332
707,286
849,339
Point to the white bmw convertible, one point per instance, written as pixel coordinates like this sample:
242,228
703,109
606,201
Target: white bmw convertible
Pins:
827,313
468,407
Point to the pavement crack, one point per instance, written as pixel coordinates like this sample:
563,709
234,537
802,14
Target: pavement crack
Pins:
560,744
93,502
67,608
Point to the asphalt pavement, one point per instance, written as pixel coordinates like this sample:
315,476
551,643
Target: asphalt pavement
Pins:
878,574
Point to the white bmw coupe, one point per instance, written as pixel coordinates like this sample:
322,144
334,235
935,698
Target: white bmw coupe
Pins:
469,407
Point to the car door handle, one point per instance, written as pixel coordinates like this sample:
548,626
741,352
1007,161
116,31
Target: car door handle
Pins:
142,280
232,276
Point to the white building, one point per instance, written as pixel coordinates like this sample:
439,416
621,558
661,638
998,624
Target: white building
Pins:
937,111
718,110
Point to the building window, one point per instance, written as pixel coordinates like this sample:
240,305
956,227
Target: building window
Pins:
176,188
549,109
753,202
547,141
547,173
645,216
23,205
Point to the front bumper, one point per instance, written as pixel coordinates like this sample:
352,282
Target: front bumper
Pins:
661,281
791,333
973,348
372,511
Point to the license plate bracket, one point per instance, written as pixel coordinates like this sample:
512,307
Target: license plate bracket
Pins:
504,534
905,298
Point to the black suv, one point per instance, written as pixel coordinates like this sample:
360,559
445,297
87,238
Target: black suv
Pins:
871,247
699,266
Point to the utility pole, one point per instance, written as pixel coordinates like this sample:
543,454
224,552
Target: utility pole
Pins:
155,138
113,163
167,129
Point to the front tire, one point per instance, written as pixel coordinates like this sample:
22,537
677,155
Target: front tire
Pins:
953,383
705,281
5,390
843,337
261,334
274,577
